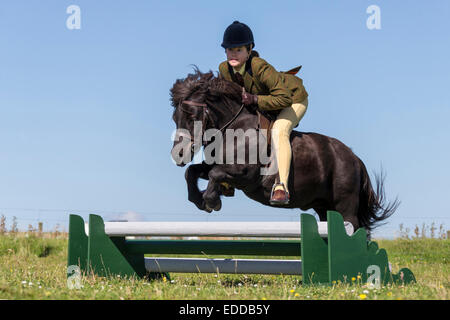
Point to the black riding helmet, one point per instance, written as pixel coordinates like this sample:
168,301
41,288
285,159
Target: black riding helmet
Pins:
237,34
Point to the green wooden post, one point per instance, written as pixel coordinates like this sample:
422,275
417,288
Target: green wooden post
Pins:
78,243
108,255
314,252
353,258
347,256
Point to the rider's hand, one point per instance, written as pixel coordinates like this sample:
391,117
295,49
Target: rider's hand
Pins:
249,99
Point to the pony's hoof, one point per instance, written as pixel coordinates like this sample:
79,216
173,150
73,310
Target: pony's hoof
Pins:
216,208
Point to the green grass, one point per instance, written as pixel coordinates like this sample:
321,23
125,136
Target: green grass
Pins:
35,268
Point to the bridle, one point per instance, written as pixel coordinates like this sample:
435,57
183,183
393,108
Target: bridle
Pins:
205,117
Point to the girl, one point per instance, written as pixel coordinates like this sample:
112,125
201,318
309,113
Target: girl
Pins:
269,90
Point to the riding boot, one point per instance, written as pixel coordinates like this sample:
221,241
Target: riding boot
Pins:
279,197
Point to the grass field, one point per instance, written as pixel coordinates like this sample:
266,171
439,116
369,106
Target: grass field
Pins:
33,267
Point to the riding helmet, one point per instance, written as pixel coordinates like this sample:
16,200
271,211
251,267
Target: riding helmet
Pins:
237,34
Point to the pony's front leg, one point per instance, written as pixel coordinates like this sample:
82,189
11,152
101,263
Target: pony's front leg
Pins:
212,193
211,196
192,174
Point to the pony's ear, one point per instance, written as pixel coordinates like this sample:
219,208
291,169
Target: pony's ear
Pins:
212,91
212,95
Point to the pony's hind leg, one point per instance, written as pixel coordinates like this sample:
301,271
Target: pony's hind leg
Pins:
348,208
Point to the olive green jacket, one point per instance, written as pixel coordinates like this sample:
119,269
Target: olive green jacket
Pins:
275,90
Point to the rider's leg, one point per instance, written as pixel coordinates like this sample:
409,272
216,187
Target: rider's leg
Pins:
286,121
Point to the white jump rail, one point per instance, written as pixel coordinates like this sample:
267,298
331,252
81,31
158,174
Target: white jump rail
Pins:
213,229
231,266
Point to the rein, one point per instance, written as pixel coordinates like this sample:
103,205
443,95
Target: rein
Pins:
232,119
206,116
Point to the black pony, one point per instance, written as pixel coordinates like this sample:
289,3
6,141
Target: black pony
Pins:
325,174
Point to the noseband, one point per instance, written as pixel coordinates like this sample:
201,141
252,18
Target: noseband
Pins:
205,117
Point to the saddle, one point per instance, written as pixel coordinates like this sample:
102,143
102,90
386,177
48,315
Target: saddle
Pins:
265,123
293,71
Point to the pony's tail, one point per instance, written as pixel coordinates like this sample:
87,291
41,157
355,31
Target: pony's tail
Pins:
373,207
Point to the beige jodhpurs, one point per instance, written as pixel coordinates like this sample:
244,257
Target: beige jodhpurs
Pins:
281,131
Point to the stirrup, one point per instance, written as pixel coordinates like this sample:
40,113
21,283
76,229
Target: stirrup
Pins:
273,190
276,184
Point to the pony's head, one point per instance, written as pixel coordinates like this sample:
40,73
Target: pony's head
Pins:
198,100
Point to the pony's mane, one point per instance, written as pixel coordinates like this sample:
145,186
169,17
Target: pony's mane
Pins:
212,87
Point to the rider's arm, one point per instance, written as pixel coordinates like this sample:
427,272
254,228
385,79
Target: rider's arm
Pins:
279,96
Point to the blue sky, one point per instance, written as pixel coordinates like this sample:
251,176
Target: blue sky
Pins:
85,117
